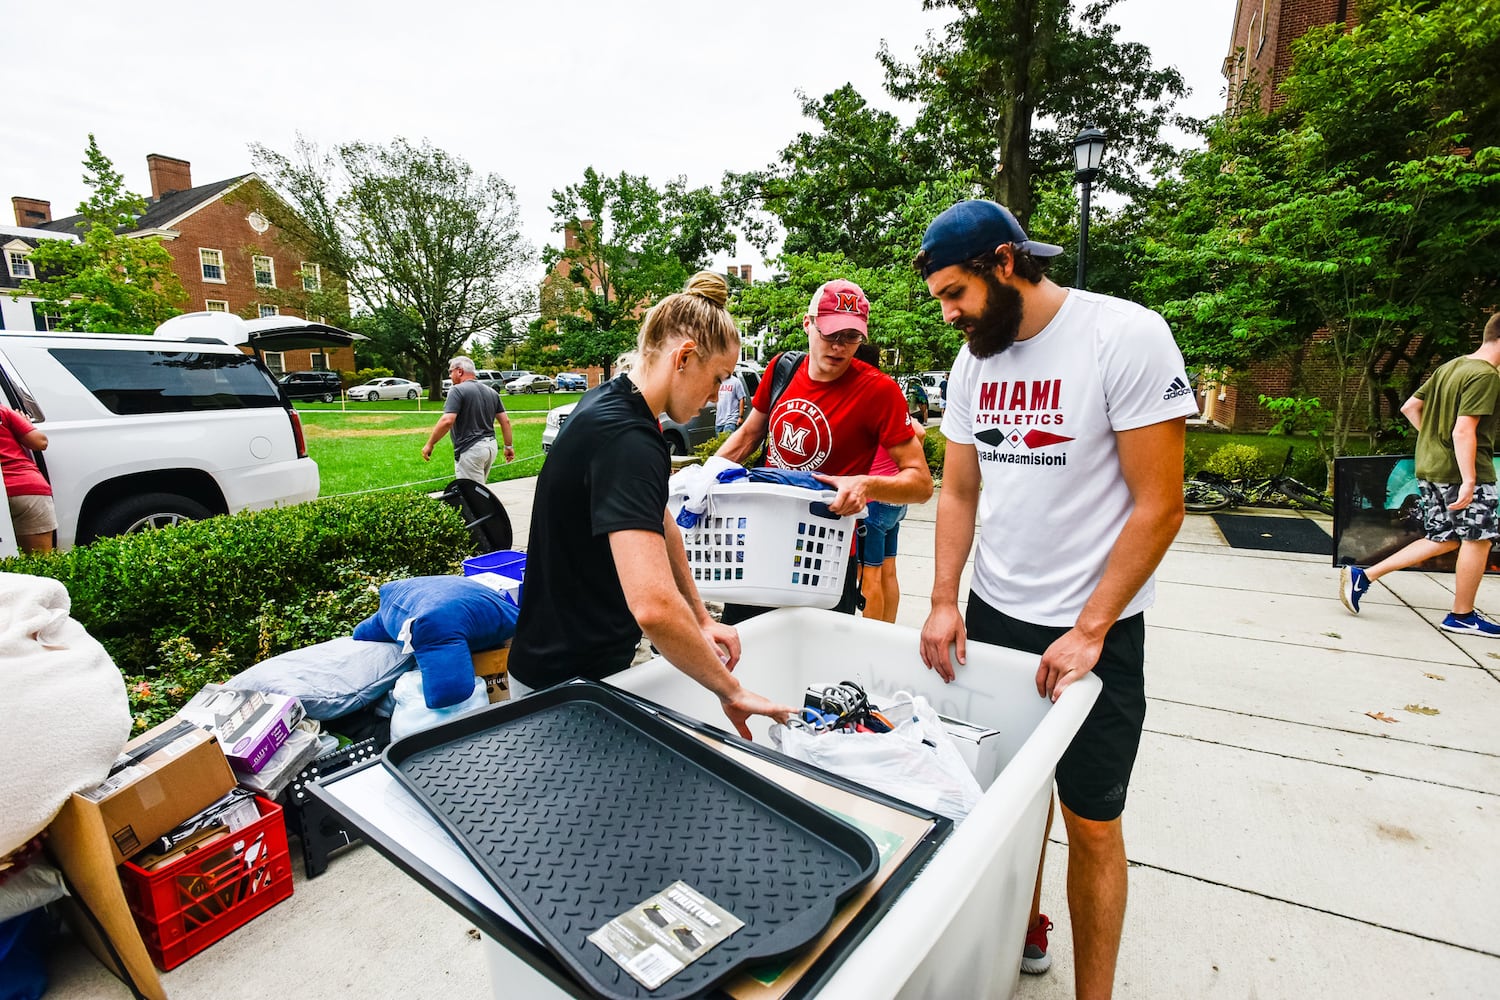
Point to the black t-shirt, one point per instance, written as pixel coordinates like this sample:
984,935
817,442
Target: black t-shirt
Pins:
607,471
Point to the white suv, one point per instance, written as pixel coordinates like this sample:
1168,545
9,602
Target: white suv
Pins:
146,431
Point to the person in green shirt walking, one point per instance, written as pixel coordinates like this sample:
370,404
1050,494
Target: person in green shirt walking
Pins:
1456,414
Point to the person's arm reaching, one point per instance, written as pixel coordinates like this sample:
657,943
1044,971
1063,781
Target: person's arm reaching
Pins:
957,507
438,431
648,580
912,484
743,442
682,575
1151,464
36,440
1465,450
507,435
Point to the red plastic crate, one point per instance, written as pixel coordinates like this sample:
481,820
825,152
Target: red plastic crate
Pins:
189,904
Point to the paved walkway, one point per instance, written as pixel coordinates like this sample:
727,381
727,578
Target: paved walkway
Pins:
1283,843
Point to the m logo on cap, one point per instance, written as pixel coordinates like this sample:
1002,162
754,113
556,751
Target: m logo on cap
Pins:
847,302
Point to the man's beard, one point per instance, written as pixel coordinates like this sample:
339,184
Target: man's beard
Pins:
996,327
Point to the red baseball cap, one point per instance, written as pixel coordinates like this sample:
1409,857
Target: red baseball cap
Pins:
843,304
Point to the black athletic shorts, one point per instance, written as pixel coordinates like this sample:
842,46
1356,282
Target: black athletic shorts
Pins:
1094,772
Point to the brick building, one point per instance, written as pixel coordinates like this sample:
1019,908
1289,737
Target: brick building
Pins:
227,255
1260,48
1260,52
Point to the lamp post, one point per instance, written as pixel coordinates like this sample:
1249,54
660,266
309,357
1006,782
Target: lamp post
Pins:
1088,154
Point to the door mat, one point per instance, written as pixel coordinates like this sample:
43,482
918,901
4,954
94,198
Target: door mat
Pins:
1274,534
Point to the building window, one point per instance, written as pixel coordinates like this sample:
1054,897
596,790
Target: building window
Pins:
273,361
270,311
212,264
44,321
265,271
319,361
20,267
216,305
312,277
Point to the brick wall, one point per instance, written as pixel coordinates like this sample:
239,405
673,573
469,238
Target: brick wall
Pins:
1260,45
1236,405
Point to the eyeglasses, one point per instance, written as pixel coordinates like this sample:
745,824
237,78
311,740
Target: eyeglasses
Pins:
851,337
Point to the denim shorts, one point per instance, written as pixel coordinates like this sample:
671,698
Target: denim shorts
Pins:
882,525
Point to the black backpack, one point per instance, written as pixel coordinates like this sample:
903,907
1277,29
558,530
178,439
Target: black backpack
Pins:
782,371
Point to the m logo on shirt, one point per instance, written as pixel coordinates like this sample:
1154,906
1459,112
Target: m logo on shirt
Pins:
794,438
801,437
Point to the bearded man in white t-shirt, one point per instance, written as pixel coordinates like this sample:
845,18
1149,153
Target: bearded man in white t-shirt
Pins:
1069,408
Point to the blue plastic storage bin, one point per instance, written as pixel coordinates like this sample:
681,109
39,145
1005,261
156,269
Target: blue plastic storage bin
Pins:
505,562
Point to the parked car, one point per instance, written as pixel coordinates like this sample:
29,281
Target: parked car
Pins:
386,388
322,386
681,438
571,382
530,383
146,431
510,375
932,384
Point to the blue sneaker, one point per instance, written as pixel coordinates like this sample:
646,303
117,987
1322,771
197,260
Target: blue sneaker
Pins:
1352,586
1472,623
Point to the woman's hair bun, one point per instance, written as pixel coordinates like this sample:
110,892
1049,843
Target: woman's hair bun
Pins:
710,286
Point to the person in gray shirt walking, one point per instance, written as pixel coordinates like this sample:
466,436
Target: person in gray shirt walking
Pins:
471,412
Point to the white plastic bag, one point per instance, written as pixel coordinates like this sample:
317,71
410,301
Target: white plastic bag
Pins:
411,714
917,762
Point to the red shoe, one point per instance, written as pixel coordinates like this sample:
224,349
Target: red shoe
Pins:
1034,959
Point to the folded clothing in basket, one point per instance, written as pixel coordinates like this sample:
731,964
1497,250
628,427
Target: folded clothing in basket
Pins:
441,618
696,484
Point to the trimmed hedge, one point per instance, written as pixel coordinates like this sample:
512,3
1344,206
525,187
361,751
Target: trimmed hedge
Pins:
196,603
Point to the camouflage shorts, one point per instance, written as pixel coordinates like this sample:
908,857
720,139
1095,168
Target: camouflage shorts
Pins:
1475,523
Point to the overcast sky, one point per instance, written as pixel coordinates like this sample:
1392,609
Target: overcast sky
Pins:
534,93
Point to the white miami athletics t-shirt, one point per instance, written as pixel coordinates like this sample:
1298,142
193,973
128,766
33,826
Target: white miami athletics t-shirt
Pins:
1042,417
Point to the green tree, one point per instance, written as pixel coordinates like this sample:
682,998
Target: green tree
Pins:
411,228
109,282
626,244
1357,226
838,188
1008,83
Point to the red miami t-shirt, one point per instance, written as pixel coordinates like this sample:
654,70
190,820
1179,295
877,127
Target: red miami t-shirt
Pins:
22,477
833,427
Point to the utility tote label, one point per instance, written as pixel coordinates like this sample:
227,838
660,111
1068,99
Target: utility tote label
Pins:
656,939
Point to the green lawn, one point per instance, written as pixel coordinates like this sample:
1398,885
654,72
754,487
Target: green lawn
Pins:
366,446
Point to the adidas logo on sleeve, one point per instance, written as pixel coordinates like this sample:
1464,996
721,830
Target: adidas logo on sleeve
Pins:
1177,388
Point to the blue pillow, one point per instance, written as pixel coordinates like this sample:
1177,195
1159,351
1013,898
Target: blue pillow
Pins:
449,615
332,678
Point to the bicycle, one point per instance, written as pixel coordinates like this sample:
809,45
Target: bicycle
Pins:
1209,492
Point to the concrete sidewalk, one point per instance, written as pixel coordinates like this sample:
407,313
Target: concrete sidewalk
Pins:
1283,843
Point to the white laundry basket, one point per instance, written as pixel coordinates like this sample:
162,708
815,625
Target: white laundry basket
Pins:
770,546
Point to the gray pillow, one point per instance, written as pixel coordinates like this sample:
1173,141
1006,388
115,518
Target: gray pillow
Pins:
332,678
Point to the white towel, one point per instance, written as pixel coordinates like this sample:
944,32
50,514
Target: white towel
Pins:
63,713
695,482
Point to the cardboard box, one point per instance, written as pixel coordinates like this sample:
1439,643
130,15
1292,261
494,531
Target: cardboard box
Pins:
251,725
493,666
978,746
161,778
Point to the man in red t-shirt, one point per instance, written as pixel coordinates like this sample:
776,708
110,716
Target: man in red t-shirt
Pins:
29,494
834,415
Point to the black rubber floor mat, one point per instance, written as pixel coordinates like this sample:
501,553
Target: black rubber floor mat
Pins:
1275,534
578,805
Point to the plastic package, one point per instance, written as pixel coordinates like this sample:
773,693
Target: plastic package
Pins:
411,714
918,762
